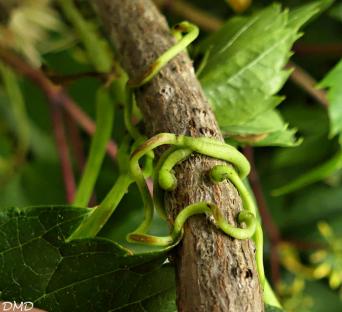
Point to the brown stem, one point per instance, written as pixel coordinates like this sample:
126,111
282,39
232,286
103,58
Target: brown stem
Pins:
76,143
67,79
328,49
271,228
63,150
302,245
54,93
197,16
214,272
210,23
302,79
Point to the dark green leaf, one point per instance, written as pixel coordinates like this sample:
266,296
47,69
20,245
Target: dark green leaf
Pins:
84,275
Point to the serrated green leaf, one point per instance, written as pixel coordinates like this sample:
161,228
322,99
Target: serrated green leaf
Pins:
267,129
299,16
284,138
267,122
333,81
83,275
244,68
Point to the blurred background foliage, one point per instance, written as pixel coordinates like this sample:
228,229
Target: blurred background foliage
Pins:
305,260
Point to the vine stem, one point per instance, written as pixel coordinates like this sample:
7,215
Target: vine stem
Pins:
54,93
104,123
98,217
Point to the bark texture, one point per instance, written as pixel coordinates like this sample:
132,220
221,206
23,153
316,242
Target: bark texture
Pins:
214,272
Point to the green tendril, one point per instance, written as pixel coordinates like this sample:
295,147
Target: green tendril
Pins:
104,123
185,214
183,147
157,191
220,173
191,32
166,178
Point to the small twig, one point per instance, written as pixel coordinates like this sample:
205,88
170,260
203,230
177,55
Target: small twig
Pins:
304,245
62,149
301,78
53,92
76,143
211,23
66,79
271,229
197,16
328,49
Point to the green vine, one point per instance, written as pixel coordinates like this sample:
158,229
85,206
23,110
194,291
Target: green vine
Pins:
104,122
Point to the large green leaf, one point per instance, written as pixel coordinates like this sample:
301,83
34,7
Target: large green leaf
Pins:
83,275
244,69
333,81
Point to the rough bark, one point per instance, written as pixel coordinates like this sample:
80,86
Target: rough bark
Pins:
214,272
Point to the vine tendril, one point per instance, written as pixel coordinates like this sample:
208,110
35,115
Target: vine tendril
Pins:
185,146
191,32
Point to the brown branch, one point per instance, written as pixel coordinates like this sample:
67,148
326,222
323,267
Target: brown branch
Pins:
271,228
54,93
204,20
67,79
302,79
328,49
214,272
210,23
303,245
63,150
76,143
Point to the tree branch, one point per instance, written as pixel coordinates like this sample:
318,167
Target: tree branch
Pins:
214,272
319,49
302,79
